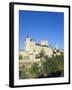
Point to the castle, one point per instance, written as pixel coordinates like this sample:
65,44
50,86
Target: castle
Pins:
32,50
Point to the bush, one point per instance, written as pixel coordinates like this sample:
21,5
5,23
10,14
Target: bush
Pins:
34,70
20,57
23,72
49,67
52,65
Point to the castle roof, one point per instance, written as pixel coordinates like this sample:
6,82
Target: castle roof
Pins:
41,45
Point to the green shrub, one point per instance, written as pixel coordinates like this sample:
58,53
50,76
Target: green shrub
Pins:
20,57
48,66
52,65
34,70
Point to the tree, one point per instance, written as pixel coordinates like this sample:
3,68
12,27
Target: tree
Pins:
20,57
34,70
49,66
42,53
23,72
52,65
46,65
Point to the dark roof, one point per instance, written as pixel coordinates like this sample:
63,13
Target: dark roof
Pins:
41,45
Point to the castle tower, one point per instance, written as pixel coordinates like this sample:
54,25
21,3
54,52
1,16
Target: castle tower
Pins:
29,44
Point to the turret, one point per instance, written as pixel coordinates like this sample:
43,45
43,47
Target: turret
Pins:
44,43
27,43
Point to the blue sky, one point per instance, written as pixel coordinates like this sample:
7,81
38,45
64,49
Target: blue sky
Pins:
41,25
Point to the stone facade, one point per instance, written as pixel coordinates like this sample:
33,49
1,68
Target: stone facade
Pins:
31,49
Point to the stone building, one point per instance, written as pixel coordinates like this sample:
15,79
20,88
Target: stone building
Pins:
32,49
